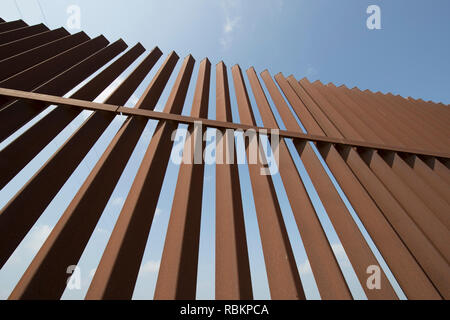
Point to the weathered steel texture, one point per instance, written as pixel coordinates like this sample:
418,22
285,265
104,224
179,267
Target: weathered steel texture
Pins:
149,114
177,277
12,48
420,120
232,264
420,187
369,116
87,206
437,183
329,278
34,56
357,249
389,155
415,187
435,230
367,178
18,214
282,273
32,77
53,76
417,121
23,149
401,125
17,34
118,269
439,168
418,211
11,25
425,220
438,115
432,262
394,252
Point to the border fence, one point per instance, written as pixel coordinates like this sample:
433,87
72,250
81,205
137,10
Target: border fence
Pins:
389,155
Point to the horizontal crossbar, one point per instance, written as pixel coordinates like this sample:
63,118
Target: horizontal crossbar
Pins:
121,110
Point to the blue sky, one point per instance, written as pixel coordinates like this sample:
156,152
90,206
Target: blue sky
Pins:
326,40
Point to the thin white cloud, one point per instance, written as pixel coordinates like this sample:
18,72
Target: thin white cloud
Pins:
37,237
150,266
231,9
340,254
101,230
133,100
338,249
92,272
230,24
118,201
305,268
109,90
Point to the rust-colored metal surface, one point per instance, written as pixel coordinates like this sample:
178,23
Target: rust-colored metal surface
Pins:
232,263
22,34
386,155
329,278
177,277
52,76
282,272
11,48
118,269
352,240
28,145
